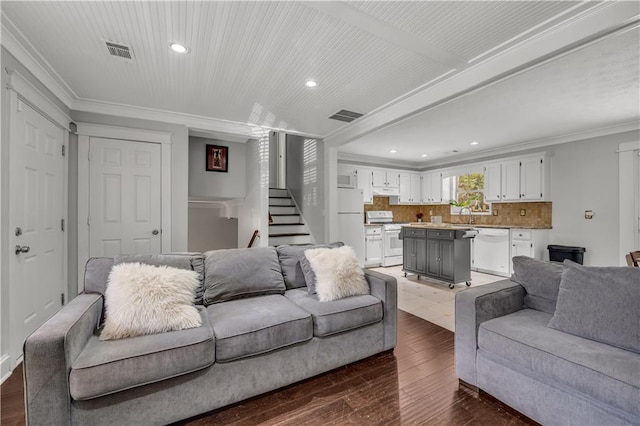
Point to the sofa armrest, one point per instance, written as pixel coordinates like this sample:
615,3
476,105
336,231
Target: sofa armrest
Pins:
475,306
48,355
385,288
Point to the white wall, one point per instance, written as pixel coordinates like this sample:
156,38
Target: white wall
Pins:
584,176
179,167
8,61
305,180
254,212
216,185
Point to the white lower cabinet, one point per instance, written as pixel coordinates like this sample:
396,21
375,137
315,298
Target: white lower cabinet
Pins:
372,246
530,243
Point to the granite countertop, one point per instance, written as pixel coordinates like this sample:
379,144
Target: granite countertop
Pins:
467,226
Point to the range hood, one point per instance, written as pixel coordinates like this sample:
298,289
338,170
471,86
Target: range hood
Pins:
385,191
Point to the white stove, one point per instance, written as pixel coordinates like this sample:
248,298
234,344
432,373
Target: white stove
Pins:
391,242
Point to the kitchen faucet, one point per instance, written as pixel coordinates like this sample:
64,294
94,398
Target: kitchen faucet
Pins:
469,210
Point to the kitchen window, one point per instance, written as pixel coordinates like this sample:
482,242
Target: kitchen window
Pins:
466,190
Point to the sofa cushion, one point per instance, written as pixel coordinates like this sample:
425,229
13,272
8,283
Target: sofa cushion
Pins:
540,279
523,341
190,261
256,325
600,303
338,315
105,367
290,258
237,273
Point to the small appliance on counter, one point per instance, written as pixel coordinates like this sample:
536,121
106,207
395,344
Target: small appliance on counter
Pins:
391,242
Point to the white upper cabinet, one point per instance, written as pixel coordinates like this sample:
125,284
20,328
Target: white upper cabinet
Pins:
432,188
409,188
521,179
532,178
364,182
511,180
384,178
493,182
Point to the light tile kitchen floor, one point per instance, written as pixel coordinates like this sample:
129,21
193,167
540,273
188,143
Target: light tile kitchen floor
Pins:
429,299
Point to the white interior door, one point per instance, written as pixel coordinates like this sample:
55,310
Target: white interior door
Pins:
36,182
124,197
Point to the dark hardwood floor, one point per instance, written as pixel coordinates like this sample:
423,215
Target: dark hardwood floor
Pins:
414,384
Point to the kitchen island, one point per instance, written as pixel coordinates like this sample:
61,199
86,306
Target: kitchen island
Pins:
439,251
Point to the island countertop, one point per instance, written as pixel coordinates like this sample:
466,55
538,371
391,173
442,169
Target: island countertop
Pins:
428,225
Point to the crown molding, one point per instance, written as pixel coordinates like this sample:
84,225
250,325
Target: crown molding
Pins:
31,95
20,47
116,132
599,19
378,162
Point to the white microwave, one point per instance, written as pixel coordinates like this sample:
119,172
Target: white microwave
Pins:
346,180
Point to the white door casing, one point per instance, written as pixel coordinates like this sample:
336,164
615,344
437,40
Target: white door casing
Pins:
124,198
37,199
87,132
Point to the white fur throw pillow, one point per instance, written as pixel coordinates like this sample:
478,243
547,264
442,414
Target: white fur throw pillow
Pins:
145,299
338,273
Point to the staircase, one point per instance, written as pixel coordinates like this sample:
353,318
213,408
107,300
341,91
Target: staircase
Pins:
288,226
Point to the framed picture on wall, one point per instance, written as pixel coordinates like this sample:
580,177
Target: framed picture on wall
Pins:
217,158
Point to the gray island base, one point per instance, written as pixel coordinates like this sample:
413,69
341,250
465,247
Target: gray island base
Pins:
442,253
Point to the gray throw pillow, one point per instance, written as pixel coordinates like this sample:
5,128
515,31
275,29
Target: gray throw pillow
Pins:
289,258
601,304
307,271
540,279
238,273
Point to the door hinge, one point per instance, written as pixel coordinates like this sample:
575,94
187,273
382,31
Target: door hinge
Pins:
88,220
88,155
63,150
62,224
62,299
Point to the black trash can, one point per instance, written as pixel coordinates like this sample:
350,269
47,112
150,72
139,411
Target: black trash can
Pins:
560,253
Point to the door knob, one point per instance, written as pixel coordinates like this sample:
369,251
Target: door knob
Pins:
22,249
155,232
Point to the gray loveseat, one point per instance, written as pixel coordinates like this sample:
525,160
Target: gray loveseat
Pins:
245,346
508,343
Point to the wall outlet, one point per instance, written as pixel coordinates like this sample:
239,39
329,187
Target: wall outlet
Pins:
523,212
494,212
588,214
430,212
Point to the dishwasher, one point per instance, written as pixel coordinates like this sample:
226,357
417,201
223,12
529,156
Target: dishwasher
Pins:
491,251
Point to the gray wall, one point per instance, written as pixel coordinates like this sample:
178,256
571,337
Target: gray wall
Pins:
216,185
585,176
8,61
305,180
209,231
179,167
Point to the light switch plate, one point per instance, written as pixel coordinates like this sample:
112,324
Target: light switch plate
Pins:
523,212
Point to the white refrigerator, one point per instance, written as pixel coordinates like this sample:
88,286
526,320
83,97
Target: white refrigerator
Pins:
351,220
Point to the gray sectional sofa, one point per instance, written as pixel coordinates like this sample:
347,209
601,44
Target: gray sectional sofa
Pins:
246,346
558,343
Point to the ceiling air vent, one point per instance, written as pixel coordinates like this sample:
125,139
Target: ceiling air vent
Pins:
344,115
120,50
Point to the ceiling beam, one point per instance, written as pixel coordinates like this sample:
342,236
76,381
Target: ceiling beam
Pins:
599,19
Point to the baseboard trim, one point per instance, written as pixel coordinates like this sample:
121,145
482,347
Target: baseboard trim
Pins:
5,368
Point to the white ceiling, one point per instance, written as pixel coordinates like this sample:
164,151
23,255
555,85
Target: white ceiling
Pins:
249,61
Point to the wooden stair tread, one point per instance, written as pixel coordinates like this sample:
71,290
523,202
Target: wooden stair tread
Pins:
279,197
292,234
285,214
285,224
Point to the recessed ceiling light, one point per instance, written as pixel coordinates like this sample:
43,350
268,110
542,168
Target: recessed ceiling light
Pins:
424,155
179,48
475,143
311,83
393,151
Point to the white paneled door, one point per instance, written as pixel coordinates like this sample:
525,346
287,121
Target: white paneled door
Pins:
36,181
124,197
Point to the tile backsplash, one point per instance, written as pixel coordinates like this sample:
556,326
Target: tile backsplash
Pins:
536,215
